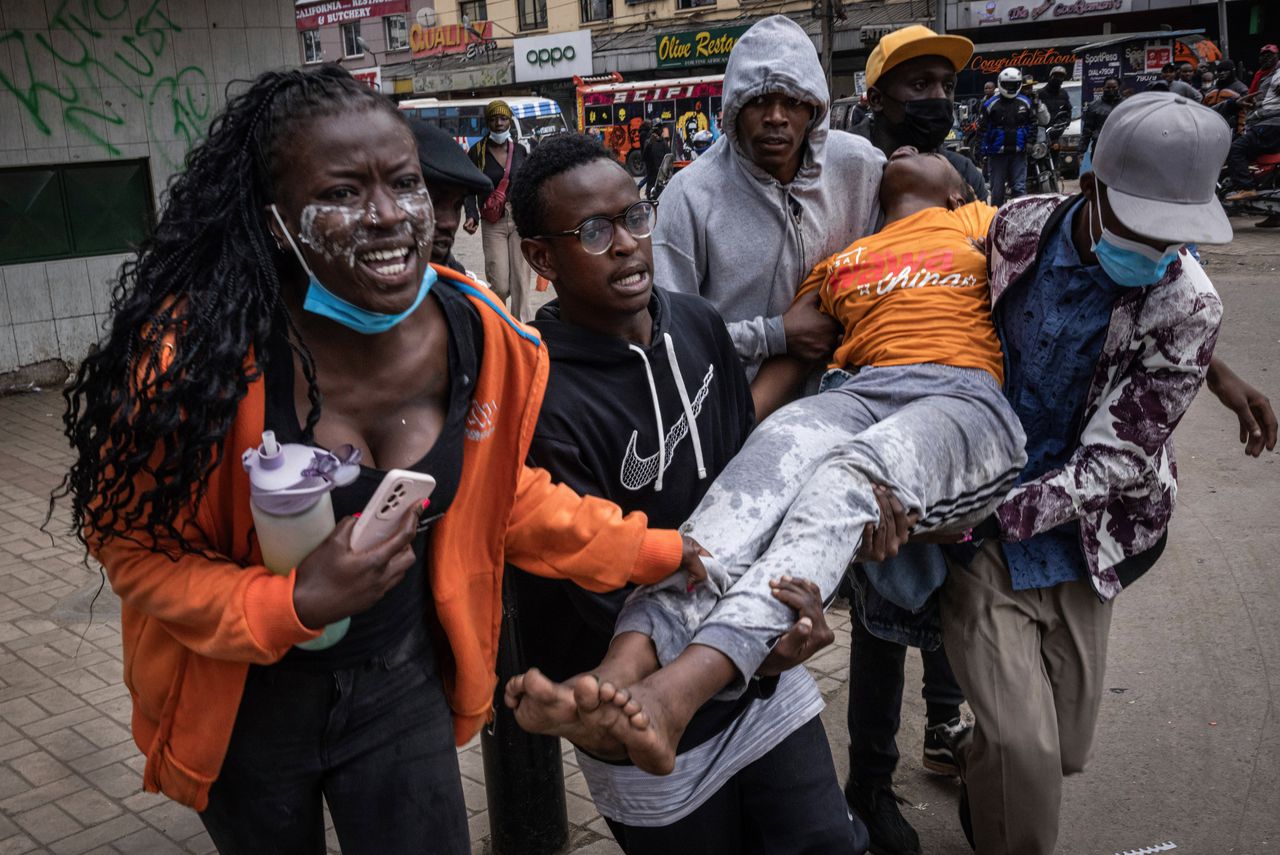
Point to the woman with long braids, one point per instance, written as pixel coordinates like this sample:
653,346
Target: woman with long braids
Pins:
287,287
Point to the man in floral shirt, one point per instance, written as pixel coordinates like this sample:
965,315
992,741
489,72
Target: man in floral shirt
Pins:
1108,327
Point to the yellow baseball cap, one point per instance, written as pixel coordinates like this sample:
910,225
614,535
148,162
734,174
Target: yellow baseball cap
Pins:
914,41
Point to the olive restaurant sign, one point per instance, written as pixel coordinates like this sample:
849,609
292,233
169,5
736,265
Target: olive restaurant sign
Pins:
697,47
310,15
450,38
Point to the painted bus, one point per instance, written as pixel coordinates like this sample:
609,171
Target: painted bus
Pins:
613,110
464,119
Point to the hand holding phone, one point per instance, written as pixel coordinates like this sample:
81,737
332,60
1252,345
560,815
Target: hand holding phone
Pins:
401,490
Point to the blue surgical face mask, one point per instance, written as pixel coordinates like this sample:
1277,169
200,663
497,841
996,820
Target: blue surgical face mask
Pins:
321,301
1128,262
500,138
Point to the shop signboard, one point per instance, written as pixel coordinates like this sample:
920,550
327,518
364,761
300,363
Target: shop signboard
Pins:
986,65
709,46
372,77
462,80
1099,65
999,12
554,57
449,38
311,15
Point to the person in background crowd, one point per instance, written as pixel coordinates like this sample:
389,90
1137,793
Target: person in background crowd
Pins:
1266,68
1026,608
860,111
1096,116
1173,80
911,78
1039,110
450,177
1206,85
1006,127
1056,101
988,89
499,156
755,774
653,153
1261,136
1187,73
1227,79
784,193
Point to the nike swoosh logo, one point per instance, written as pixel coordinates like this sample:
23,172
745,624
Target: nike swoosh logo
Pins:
638,472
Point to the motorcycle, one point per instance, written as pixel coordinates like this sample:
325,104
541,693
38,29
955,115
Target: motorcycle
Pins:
1265,171
1043,171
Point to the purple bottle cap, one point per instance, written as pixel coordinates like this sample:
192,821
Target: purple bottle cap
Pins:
288,479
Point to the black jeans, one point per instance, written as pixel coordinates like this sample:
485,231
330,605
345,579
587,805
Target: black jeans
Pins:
786,803
1256,140
875,700
375,741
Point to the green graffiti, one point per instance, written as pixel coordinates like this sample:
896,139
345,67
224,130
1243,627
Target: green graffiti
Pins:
62,71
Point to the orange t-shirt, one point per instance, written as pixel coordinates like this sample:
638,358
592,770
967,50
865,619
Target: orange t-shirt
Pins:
914,292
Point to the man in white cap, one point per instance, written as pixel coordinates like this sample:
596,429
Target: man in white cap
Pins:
1108,326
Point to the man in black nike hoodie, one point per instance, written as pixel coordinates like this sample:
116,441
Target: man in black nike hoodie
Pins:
646,403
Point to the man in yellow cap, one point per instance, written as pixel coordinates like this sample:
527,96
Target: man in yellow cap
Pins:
911,80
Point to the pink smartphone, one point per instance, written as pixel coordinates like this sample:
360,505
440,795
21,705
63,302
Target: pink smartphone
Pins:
399,491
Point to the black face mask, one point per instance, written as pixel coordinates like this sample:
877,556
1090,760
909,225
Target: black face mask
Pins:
926,124
1110,97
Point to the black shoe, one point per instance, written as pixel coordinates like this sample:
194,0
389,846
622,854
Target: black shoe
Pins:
940,742
877,806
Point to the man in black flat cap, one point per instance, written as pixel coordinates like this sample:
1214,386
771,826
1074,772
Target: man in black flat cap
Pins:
450,177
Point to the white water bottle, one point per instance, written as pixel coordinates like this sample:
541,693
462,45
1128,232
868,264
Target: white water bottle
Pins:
292,512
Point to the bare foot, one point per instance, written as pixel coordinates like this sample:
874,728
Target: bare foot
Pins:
544,706
646,723
630,659
540,705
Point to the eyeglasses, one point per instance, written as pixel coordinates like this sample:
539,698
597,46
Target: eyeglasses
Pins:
596,233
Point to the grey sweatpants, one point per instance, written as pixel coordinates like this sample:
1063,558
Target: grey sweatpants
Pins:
796,497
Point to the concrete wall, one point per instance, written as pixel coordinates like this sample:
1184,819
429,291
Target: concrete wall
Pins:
82,80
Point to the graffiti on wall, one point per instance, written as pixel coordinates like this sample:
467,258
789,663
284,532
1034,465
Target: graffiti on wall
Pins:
61,72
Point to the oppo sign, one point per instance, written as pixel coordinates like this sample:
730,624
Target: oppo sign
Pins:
553,57
550,55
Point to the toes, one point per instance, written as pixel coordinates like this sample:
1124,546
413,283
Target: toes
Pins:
586,692
639,720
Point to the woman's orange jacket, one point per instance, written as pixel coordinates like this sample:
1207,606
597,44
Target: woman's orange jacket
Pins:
192,626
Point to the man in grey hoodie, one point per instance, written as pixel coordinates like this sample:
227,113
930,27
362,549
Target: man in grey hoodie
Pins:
778,192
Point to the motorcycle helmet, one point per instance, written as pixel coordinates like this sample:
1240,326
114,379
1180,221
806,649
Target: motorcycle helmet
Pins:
702,141
1010,82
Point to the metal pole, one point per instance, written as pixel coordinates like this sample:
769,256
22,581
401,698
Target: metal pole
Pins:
826,41
1222,29
523,773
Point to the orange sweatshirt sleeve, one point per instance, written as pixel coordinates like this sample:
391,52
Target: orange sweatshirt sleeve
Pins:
216,608
557,533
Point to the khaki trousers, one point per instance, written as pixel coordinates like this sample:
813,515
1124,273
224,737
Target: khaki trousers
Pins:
504,266
1031,664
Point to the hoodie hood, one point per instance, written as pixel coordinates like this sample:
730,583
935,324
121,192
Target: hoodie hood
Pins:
775,55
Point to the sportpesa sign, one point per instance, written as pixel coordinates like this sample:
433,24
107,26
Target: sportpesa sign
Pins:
553,57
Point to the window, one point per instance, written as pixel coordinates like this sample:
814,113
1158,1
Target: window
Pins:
311,50
533,14
351,46
73,210
473,10
397,32
595,10
694,4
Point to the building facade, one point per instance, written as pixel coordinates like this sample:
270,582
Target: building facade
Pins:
99,105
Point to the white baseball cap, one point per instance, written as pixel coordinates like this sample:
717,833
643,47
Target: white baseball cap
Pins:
1159,156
